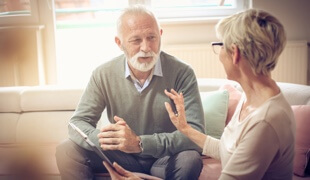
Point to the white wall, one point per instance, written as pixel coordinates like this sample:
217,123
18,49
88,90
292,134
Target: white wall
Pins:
293,14
189,33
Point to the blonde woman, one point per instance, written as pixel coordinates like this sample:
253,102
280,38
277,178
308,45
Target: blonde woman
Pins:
258,142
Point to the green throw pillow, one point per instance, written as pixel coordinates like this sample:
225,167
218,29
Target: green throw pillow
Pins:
215,107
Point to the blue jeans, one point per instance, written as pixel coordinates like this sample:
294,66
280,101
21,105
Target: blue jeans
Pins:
75,162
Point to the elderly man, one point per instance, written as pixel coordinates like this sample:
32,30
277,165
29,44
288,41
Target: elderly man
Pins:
140,138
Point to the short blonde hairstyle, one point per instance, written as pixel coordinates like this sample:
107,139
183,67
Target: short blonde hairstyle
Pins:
259,36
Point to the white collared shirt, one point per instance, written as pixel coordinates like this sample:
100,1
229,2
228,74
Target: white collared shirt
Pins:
157,70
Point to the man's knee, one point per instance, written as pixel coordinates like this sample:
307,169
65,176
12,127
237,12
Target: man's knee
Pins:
63,148
67,152
190,158
71,161
188,165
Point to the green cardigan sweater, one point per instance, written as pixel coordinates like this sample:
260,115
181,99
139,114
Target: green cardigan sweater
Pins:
144,112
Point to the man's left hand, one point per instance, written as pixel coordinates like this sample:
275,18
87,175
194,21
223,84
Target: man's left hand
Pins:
119,136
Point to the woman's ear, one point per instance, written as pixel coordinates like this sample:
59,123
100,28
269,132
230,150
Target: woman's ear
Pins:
235,54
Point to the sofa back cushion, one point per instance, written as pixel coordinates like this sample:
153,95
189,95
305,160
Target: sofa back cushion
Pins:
234,97
10,99
302,142
50,98
296,94
215,107
46,111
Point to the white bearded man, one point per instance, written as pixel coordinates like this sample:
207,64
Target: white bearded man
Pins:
131,87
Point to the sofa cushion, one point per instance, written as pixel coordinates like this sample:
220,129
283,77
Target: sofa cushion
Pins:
43,127
8,122
50,98
296,94
215,106
234,97
211,169
302,144
10,99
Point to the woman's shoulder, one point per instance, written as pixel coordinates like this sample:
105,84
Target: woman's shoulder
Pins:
277,113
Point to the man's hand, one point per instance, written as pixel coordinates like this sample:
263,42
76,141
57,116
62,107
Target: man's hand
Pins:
119,173
119,136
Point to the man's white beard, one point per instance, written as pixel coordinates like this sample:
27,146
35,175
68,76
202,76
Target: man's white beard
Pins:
144,66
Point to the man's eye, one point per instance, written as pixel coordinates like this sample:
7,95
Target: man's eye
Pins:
135,40
152,38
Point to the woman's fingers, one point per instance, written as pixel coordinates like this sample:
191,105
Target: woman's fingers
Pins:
120,169
169,110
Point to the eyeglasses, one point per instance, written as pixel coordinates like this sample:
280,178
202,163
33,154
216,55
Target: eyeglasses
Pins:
217,47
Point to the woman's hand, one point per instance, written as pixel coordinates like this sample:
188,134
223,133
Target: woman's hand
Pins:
179,120
119,173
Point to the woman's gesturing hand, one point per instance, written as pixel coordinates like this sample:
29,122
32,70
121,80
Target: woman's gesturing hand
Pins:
179,119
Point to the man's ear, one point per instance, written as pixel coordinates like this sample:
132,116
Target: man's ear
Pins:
118,42
161,32
235,54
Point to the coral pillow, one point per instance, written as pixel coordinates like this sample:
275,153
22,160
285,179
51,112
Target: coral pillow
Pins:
302,141
234,97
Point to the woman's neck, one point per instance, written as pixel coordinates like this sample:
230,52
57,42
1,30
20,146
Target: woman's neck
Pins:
258,89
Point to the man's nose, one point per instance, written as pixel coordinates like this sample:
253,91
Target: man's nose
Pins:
145,46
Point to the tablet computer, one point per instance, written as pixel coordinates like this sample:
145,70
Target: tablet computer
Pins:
103,156
97,150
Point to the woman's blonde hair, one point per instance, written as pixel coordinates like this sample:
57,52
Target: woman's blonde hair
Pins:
259,36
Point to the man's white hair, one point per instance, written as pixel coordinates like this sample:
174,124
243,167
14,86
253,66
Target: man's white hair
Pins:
133,10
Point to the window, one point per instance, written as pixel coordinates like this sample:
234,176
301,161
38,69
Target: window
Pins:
14,12
85,29
186,9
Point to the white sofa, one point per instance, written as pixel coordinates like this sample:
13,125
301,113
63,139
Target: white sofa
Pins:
33,120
